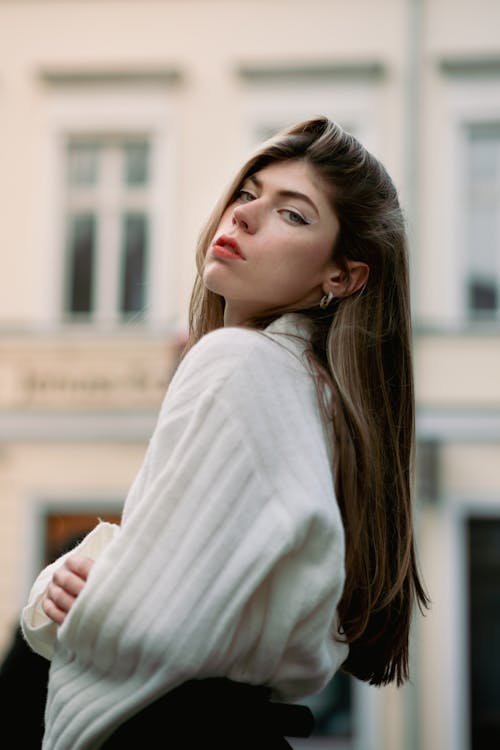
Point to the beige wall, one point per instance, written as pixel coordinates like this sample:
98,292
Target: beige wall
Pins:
458,370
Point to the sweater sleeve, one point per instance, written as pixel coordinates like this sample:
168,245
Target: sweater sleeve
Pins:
164,601
39,630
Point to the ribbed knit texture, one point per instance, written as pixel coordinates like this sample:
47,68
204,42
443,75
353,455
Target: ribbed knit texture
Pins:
230,557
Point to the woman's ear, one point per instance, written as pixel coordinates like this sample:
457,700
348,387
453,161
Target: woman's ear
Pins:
344,282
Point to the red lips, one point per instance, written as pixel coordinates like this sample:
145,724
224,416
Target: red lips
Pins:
227,247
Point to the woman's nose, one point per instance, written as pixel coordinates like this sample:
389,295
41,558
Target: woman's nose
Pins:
244,217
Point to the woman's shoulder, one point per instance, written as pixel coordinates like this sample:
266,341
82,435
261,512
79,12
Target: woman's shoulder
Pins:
216,357
289,333
240,354
233,345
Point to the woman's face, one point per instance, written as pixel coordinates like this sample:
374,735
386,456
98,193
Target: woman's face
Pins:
273,246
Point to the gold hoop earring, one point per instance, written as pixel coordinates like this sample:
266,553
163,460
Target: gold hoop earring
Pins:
325,300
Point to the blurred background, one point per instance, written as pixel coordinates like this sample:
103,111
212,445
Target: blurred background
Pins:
120,124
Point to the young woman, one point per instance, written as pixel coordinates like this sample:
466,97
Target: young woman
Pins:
267,540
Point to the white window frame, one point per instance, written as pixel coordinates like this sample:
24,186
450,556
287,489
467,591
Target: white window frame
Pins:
108,109
469,100
108,201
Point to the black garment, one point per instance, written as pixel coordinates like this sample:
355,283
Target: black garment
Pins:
214,713
23,692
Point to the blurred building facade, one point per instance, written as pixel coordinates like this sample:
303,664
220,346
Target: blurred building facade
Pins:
120,124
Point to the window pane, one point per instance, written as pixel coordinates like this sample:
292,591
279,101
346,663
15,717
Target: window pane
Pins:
136,160
483,144
134,263
483,295
83,162
483,197
81,254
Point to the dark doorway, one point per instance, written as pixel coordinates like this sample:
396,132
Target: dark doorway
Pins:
484,632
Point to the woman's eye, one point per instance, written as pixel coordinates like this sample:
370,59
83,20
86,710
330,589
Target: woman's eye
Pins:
293,217
244,196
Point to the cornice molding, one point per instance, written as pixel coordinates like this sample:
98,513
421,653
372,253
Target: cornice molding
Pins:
110,76
482,65
363,70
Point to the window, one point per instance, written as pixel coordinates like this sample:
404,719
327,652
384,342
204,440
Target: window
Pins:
483,221
107,228
459,248
108,235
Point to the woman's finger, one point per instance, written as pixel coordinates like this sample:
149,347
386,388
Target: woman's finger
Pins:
62,600
53,611
68,581
80,565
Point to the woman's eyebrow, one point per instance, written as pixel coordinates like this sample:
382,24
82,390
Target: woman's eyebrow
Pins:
286,193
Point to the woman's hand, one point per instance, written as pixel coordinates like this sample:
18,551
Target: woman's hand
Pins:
66,584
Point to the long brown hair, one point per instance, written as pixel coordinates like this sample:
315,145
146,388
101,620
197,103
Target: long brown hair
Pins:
361,347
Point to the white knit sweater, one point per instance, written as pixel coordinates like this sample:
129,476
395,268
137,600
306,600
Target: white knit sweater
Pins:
230,557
